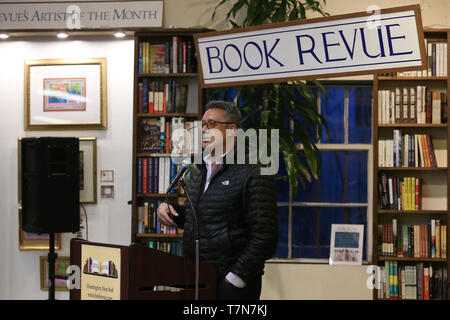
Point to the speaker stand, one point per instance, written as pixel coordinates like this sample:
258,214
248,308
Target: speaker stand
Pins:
51,266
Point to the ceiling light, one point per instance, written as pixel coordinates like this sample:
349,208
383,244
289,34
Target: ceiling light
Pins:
4,36
62,35
119,34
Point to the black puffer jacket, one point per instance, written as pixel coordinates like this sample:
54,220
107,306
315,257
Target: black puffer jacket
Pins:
237,218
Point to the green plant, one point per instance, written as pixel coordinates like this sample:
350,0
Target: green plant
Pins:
277,105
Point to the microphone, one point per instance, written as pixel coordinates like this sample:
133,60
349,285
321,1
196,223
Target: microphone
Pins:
184,167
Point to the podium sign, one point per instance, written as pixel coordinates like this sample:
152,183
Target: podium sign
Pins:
100,273
342,45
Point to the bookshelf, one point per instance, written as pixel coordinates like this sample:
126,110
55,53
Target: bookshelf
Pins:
411,177
167,93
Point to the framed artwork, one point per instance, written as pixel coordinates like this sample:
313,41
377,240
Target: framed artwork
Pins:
33,241
346,244
88,170
107,192
65,94
107,176
62,266
19,171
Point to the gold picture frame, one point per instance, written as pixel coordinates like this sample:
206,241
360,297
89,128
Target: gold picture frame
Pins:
31,241
106,175
88,171
61,267
65,94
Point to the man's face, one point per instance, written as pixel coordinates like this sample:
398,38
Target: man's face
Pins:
210,135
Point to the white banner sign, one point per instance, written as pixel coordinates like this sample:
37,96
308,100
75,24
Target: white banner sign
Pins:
85,15
359,43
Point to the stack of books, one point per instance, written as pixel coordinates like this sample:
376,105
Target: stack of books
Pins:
176,136
400,193
413,241
176,56
417,104
154,174
162,96
410,150
417,281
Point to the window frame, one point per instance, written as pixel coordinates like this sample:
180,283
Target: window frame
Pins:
346,146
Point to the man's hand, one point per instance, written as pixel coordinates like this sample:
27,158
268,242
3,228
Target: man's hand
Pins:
163,214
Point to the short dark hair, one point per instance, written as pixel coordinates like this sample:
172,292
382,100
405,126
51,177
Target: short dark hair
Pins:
231,111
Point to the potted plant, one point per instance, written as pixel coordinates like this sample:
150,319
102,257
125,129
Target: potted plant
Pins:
280,105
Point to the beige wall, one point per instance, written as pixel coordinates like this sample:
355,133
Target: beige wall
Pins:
190,13
315,282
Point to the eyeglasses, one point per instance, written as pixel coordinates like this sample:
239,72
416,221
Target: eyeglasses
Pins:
210,124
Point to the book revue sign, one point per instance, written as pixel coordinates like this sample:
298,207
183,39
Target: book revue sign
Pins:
357,43
83,15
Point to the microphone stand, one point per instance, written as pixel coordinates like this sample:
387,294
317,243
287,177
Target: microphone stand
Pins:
197,259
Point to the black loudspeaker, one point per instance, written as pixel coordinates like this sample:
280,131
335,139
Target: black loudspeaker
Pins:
50,184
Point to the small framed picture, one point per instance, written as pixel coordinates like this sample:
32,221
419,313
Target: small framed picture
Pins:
62,265
346,244
107,192
107,176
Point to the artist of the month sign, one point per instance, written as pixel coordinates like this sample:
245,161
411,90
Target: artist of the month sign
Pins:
82,15
341,45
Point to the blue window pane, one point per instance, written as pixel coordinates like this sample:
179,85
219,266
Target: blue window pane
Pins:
311,241
332,176
342,178
301,125
304,230
282,182
333,111
283,227
357,176
360,115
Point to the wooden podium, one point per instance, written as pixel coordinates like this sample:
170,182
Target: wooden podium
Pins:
138,272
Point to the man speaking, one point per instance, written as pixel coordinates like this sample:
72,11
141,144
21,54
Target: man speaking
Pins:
235,206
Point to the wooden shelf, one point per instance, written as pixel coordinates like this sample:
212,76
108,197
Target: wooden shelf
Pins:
436,180
412,125
194,106
413,78
156,195
159,235
411,169
168,75
381,258
411,212
167,115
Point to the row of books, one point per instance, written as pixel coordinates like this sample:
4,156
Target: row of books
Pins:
408,150
162,96
413,241
176,136
176,55
154,174
166,246
107,268
419,281
148,220
436,62
400,193
412,105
